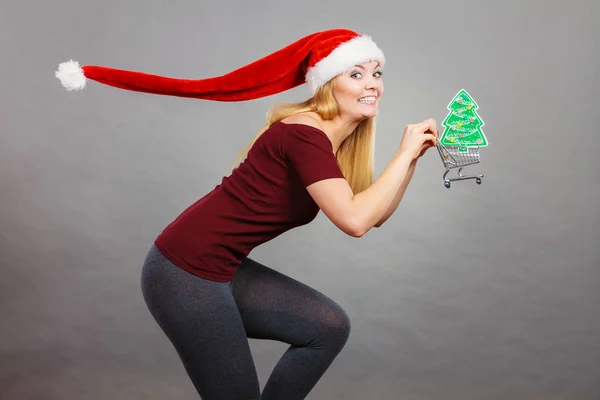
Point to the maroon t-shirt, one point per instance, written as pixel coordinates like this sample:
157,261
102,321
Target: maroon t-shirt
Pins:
261,199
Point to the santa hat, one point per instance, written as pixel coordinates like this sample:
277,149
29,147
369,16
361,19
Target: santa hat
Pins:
314,59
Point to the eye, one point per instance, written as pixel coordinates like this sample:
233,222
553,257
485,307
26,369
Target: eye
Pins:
378,74
354,75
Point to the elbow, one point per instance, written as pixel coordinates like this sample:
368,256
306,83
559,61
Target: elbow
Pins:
356,229
360,231
356,233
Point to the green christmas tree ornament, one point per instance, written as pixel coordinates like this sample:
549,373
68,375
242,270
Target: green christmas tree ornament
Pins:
463,124
459,144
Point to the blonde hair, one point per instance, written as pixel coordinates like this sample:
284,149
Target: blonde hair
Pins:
355,156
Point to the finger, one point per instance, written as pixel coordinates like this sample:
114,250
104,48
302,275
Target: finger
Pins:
424,125
432,125
431,138
428,124
434,130
426,146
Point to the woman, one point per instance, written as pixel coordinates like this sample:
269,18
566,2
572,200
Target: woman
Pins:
200,285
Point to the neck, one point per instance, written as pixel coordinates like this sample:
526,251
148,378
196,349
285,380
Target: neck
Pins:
338,129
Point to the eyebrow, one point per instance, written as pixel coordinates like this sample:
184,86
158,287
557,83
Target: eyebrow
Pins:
361,67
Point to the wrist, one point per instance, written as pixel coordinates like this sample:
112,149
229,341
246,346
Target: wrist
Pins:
403,156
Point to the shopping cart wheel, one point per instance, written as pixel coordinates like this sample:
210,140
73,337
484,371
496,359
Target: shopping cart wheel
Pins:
447,183
478,180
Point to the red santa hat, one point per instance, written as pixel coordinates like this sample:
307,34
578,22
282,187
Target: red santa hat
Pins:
314,59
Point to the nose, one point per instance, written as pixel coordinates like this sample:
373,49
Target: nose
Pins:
372,84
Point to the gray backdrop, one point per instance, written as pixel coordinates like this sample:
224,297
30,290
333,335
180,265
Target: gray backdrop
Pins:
472,292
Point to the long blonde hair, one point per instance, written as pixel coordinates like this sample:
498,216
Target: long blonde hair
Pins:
355,156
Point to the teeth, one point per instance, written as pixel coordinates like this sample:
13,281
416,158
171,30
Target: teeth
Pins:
370,99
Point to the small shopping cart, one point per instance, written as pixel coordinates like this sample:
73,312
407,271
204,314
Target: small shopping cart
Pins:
458,157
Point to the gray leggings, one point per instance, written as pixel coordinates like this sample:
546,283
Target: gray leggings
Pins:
209,322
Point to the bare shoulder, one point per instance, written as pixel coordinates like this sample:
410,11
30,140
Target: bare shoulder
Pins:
309,118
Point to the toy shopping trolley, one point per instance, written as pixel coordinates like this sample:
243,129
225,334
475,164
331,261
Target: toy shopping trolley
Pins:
463,137
458,157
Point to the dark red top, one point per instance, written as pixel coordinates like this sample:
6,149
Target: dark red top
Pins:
261,199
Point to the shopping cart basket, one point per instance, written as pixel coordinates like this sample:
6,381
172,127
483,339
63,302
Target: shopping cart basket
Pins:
458,157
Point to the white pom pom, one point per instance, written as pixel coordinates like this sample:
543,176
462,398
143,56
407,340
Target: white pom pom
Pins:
71,75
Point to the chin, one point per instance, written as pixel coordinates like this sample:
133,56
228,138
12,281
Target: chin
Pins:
371,114
362,112
368,111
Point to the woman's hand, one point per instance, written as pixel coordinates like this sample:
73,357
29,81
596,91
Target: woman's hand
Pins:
418,138
427,145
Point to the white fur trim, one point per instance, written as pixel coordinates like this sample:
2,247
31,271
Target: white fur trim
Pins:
71,75
353,52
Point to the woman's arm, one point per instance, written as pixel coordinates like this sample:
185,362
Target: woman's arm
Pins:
357,214
402,190
399,195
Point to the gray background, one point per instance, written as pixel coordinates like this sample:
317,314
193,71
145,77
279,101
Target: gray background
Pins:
473,292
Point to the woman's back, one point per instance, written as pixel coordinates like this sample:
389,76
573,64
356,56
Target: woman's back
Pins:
261,199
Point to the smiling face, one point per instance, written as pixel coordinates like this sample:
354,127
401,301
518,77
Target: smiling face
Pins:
358,91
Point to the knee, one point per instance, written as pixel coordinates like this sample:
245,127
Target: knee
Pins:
340,321
335,325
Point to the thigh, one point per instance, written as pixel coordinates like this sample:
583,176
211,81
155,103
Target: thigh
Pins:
201,320
277,307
